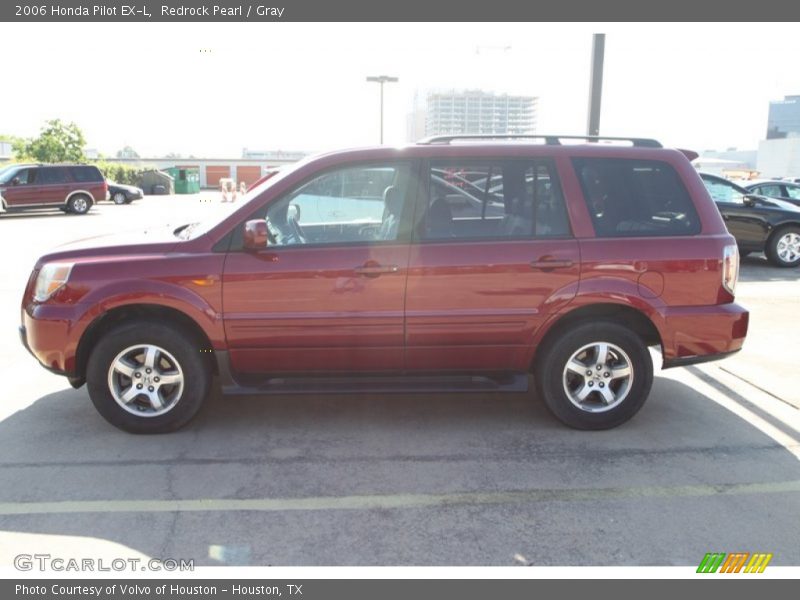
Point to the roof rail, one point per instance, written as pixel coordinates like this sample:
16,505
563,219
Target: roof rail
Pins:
550,140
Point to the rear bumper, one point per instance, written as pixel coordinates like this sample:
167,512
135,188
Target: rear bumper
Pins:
696,334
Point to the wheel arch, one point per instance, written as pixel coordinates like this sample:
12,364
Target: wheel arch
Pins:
623,314
129,312
778,228
76,192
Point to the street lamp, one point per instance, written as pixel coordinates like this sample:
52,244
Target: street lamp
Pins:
382,79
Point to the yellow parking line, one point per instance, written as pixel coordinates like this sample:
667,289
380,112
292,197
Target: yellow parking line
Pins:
389,501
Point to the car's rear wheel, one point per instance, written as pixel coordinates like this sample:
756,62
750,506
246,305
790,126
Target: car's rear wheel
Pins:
147,377
783,247
119,198
79,204
595,375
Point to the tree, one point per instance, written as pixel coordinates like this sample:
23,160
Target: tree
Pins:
174,155
57,142
128,152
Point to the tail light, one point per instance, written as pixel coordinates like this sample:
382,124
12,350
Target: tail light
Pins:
730,267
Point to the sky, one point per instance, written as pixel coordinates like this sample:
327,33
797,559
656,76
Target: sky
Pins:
212,89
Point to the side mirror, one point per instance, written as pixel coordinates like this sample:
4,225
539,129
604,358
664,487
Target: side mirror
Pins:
255,235
751,199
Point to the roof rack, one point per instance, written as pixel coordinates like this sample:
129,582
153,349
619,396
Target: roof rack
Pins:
550,140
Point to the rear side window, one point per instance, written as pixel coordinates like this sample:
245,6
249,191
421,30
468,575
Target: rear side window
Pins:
86,174
52,175
499,199
631,198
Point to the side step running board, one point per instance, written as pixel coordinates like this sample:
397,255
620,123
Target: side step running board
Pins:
368,384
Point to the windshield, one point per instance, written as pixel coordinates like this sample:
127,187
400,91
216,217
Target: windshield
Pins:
7,173
193,230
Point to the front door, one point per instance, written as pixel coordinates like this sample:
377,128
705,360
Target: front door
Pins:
326,293
22,189
493,255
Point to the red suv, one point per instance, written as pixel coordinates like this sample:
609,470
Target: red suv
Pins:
73,188
453,264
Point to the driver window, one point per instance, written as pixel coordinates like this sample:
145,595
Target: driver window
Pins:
24,176
722,191
356,204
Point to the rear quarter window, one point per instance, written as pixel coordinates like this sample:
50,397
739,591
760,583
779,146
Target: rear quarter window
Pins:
635,198
86,174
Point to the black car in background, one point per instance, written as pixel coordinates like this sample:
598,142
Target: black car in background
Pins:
124,194
780,189
758,223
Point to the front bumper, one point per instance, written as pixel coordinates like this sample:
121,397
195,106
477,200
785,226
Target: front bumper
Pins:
696,334
23,336
51,334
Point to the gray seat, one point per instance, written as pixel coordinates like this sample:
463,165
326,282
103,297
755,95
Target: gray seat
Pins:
393,205
439,223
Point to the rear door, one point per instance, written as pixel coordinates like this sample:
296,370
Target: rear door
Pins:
53,185
492,256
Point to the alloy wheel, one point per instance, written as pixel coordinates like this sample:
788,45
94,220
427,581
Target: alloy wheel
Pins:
598,377
146,380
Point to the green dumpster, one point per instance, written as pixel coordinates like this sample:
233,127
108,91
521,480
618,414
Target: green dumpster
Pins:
187,179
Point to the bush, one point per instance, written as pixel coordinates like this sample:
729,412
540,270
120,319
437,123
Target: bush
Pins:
120,173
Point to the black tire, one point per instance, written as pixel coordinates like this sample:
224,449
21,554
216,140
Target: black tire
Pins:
773,251
79,204
119,198
551,381
183,348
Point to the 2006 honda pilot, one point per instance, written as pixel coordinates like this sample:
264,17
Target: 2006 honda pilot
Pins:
455,263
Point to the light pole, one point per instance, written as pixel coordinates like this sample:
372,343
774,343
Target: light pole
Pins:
596,84
382,79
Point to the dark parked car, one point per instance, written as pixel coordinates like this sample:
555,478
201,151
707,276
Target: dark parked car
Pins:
782,190
488,261
73,188
758,223
124,194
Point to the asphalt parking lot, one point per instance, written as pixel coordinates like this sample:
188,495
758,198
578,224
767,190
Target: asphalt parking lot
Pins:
709,464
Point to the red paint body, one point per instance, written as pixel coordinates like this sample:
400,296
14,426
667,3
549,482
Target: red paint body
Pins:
449,306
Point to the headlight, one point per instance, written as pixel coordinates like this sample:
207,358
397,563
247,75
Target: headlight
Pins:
52,277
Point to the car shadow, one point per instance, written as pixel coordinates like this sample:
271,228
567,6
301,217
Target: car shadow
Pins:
756,267
383,458
40,213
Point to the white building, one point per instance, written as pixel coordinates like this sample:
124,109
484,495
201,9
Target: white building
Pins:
471,111
779,157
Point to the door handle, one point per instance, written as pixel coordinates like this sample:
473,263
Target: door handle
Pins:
372,270
550,263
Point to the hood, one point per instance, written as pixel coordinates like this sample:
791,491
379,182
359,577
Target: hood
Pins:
775,203
151,241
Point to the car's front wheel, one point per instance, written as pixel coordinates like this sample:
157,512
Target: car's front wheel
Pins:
147,377
783,248
119,198
595,375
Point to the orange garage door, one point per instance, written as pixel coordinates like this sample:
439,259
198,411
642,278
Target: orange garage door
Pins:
248,174
214,174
